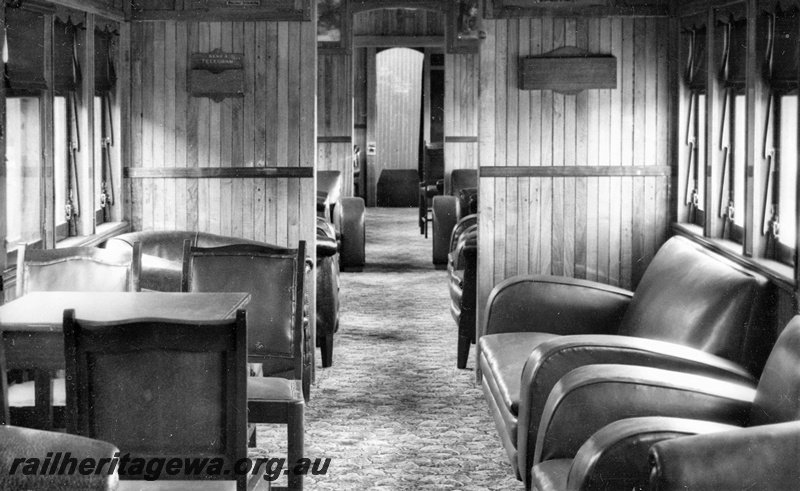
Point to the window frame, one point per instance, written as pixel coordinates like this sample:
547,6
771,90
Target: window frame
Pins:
746,244
96,226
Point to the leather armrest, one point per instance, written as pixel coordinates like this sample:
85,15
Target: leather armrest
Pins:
590,397
761,457
18,443
618,454
554,359
556,305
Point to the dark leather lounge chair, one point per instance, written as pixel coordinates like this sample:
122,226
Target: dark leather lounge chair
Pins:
745,438
460,201
463,271
693,311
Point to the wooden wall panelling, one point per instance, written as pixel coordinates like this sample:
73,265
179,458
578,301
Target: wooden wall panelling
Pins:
461,112
581,183
523,125
234,134
399,22
486,135
575,221
335,117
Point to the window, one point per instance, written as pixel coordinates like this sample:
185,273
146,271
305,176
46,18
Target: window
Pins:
731,43
41,58
780,135
60,164
788,173
726,161
24,171
104,84
739,160
694,105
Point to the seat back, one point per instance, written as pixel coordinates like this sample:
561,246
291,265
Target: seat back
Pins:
462,225
693,297
275,279
462,179
164,244
778,395
433,164
82,269
157,388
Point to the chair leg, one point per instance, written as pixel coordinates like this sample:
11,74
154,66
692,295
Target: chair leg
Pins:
326,347
463,351
251,440
296,442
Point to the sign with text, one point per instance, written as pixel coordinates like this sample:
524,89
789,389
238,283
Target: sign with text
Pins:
217,75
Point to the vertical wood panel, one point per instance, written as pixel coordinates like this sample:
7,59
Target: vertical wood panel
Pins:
335,116
274,124
600,228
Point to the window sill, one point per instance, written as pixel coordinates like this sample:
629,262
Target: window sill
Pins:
779,273
104,232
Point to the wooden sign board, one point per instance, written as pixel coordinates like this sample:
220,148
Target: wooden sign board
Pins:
217,75
568,71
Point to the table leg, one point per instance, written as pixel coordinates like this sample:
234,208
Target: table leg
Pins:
44,399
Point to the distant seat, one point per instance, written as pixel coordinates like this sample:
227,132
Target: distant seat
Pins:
398,188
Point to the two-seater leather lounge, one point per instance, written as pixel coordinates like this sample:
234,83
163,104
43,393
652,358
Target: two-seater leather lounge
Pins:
692,311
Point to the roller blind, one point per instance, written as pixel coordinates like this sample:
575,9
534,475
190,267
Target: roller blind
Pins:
25,34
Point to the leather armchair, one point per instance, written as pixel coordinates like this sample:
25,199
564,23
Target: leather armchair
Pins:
463,272
450,208
693,312
347,216
761,457
327,290
16,443
587,399
162,253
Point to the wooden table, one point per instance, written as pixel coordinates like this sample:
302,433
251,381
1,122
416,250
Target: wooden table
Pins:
31,325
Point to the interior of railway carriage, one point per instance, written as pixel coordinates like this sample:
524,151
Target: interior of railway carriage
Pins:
509,244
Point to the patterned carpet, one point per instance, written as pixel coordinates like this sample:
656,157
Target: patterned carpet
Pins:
394,412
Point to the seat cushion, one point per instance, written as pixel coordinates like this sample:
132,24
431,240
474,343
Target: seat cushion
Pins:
24,394
272,389
505,356
551,475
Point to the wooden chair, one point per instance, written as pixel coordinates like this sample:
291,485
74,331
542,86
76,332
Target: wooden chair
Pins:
278,336
85,269
157,389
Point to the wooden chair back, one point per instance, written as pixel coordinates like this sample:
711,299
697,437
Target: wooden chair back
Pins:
88,269
158,388
278,336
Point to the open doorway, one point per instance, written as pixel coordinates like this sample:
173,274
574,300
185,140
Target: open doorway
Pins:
393,128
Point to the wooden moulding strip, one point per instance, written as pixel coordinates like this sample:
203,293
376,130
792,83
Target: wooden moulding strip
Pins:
217,172
577,171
